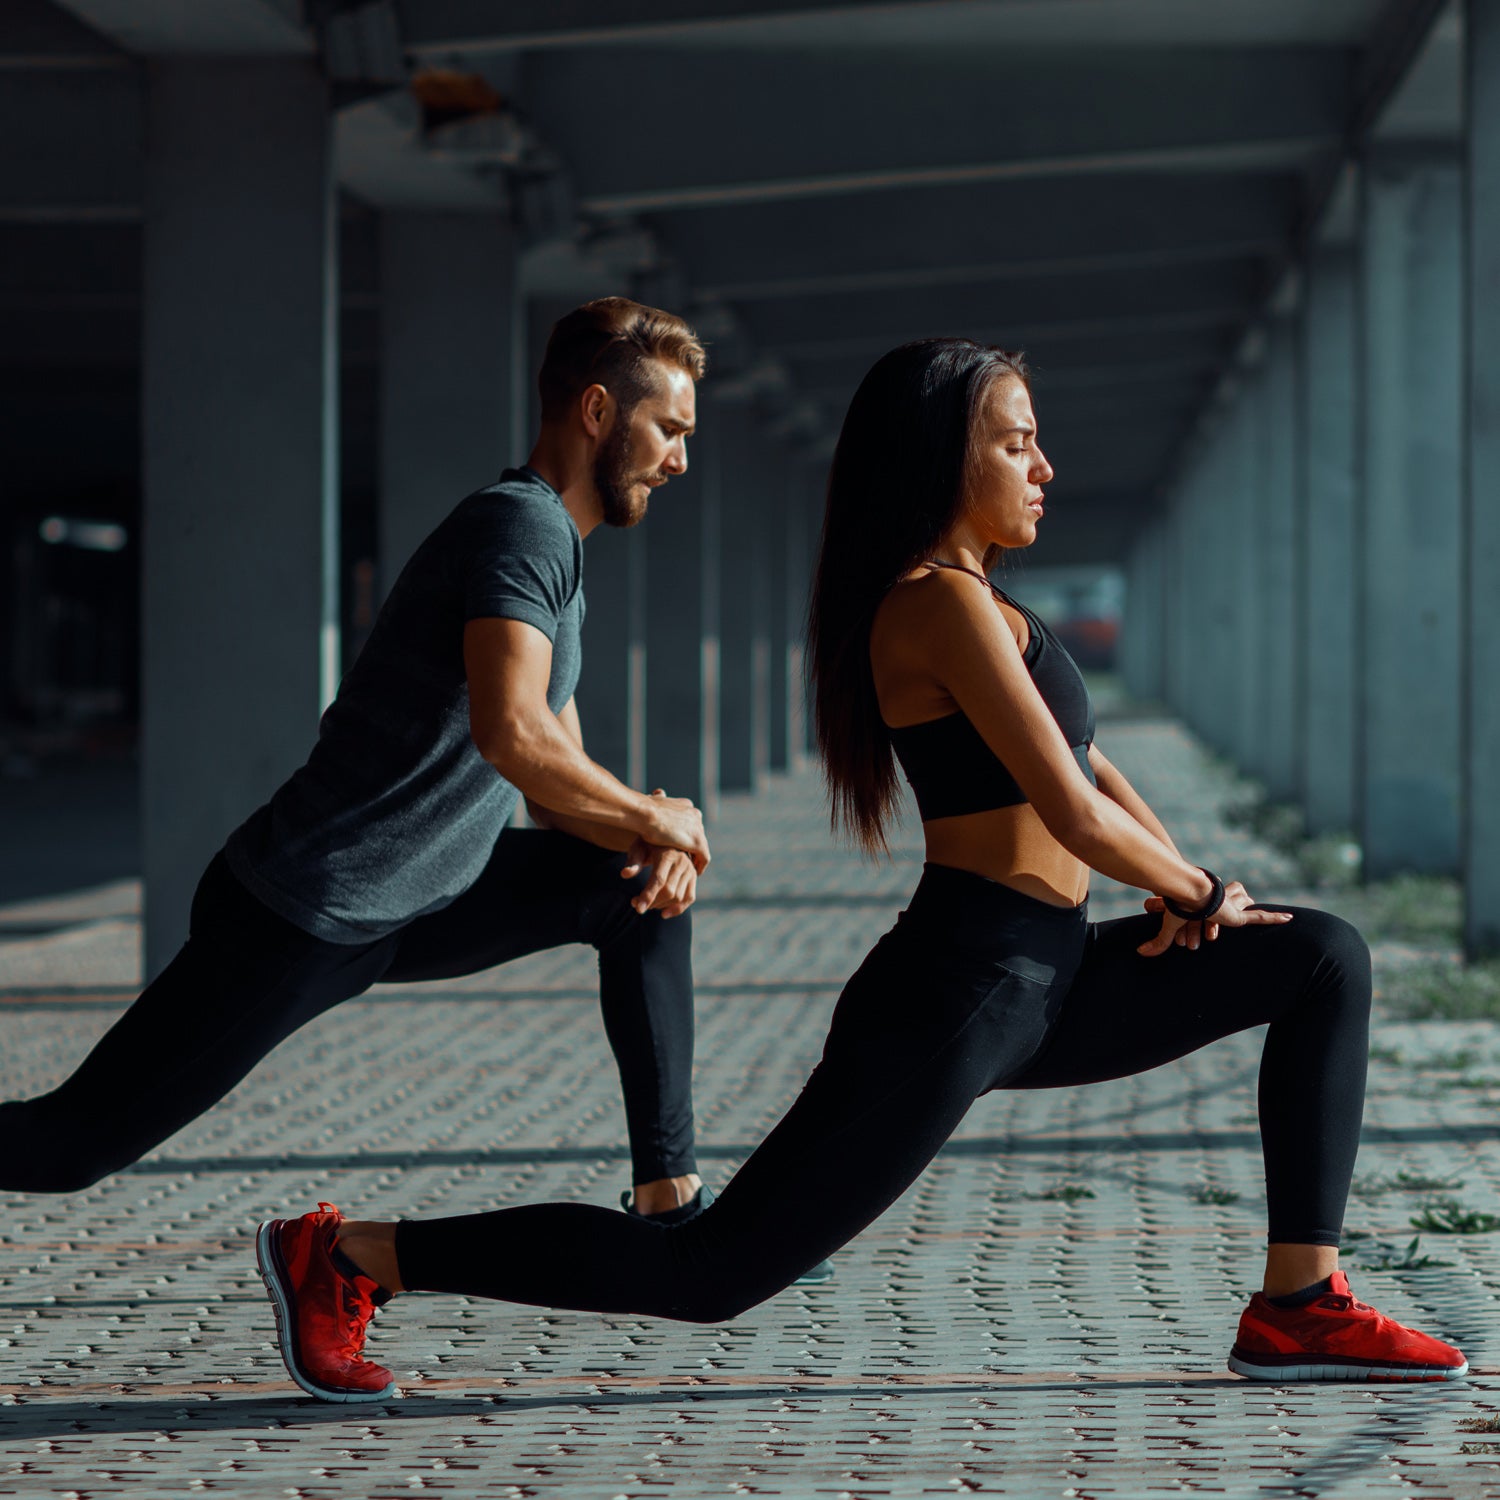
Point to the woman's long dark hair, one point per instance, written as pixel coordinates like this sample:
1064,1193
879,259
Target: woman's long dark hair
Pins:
900,479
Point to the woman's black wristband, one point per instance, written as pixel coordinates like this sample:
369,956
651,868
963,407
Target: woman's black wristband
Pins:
1201,913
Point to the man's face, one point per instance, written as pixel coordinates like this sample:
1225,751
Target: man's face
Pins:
645,446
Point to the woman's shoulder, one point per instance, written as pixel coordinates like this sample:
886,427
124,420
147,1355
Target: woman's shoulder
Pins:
938,601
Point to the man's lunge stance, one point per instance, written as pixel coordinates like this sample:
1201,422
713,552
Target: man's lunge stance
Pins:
386,857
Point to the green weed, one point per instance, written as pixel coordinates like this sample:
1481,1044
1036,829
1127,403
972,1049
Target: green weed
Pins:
1480,1424
1066,1192
1405,908
1376,1186
1438,991
1383,1257
1207,1193
1449,1216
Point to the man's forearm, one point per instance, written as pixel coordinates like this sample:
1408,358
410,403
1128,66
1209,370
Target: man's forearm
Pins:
618,839
552,772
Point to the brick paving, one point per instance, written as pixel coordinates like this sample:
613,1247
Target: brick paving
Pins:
1045,1313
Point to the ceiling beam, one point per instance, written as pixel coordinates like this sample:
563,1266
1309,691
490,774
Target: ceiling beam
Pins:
717,134
933,236
198,28
792,324
481,26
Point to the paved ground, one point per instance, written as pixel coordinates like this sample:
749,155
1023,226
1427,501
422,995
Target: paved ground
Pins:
1046,1313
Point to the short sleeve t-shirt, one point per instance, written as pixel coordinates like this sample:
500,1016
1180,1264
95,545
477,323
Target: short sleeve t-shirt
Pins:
395,814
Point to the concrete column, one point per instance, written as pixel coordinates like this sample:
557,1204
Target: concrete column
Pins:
239,430
1411,439
1277,619
682,628
1245,485
450,329
809,479
1481,511
1327,549
745,597
611,694
798,566
1143,633
779,624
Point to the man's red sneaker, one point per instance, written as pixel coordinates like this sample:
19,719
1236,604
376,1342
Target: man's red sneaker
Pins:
321,1314
1336,1337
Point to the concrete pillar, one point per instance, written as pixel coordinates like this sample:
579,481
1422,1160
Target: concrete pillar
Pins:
1327,545
1277,619
450,335
745,597
1245,484
239,429
1143,636
611,694
682,627
1481,511
779,623
799,559
1411,439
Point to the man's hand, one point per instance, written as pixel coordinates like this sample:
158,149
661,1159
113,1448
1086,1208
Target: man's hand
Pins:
673,886
1238,910
674,823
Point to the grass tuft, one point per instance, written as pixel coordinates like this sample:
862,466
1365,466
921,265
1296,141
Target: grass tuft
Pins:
1439,991
1207,1193
1383,1257
1449,1216
1065,1192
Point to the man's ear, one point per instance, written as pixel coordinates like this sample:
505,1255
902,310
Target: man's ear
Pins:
596,407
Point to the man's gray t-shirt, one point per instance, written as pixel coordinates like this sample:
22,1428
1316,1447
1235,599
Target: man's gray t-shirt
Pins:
395,813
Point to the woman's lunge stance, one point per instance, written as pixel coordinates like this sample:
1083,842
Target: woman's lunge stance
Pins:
993,977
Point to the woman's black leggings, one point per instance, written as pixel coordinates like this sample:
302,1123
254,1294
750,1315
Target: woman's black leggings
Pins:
976,988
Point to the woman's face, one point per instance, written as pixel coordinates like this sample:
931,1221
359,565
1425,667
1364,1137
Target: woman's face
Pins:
1005,500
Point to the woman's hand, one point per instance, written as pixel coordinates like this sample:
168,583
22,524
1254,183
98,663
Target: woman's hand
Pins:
1238,910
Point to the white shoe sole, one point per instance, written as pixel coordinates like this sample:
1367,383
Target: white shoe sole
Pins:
1287,1374
268,1258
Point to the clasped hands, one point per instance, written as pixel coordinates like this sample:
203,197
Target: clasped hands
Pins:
673,885
1238,910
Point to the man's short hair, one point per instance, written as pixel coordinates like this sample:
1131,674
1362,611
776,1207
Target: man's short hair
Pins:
608,342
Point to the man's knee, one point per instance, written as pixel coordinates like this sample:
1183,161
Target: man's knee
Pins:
619,919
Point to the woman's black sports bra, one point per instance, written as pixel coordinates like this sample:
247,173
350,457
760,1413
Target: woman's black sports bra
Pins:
947,763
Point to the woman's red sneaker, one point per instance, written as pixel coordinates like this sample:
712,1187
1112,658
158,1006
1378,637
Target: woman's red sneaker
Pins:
1336,1337
321,1314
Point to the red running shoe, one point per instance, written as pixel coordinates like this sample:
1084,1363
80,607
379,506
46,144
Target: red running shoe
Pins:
1336,1338
321,1314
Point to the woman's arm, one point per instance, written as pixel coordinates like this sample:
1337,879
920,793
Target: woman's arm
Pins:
1114,786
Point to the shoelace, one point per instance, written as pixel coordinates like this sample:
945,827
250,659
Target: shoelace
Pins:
358,1309
1338,1302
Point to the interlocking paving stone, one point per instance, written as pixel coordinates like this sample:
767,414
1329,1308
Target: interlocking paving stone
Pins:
989,1335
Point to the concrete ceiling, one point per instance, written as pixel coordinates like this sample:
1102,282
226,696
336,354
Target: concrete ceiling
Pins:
1117,185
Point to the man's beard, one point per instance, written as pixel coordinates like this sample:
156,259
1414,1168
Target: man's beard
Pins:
615,481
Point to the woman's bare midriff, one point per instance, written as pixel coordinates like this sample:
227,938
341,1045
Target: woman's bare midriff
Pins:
1010,845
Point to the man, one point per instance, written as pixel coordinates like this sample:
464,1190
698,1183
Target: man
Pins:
388,855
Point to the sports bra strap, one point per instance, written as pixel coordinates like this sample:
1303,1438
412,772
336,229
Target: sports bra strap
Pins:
933,562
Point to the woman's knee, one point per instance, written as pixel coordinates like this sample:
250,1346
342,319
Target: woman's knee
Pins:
1338,954
42,1152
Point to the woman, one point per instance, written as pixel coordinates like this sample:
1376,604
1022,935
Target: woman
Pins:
992,978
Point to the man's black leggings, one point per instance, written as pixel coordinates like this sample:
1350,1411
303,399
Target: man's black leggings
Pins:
976,988
246,979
